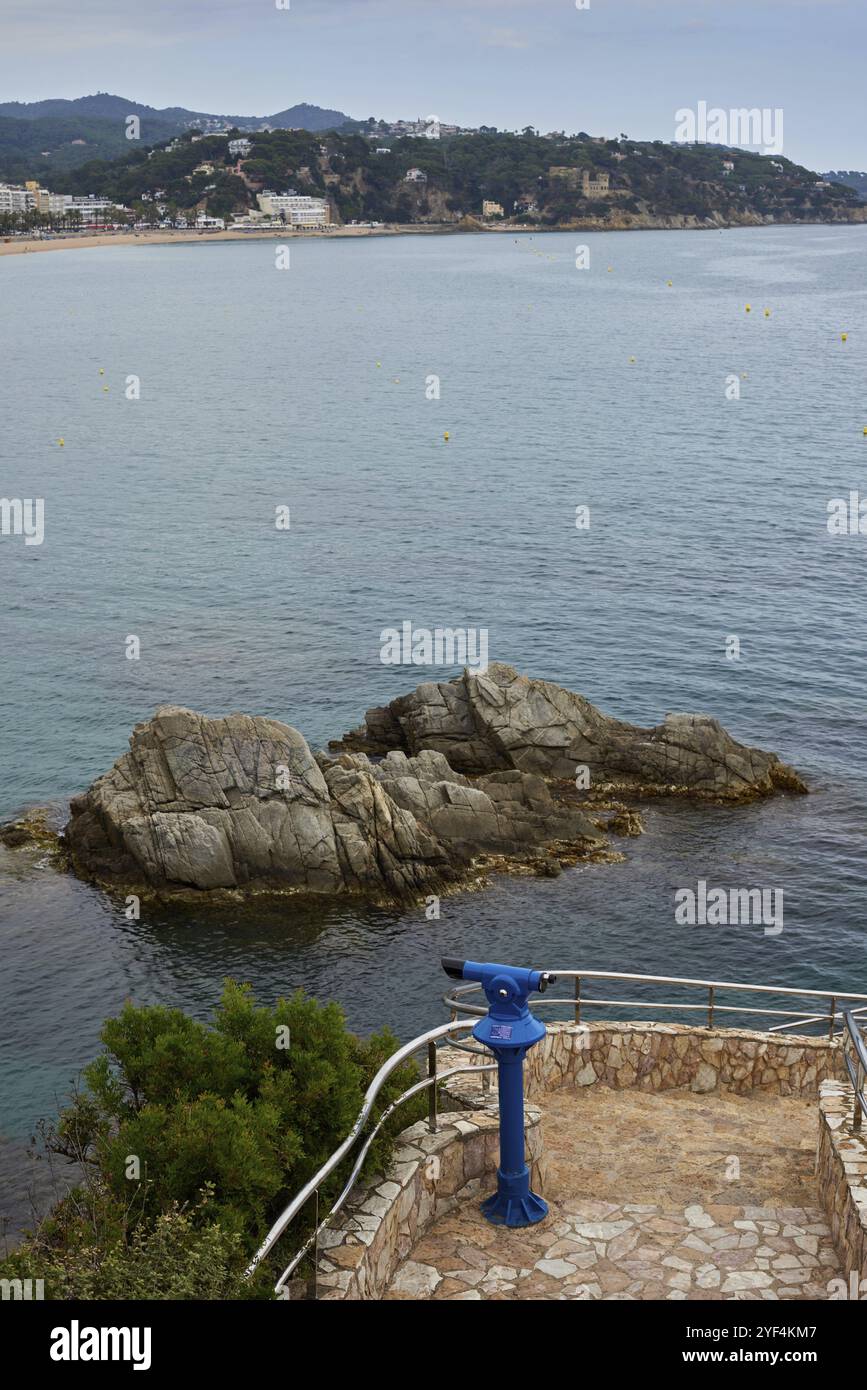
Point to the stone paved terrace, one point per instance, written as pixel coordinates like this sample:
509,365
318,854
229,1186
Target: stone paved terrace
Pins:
699,1197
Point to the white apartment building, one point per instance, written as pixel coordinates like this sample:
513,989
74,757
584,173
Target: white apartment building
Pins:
240,147
297,209
96,211
17,198
14,199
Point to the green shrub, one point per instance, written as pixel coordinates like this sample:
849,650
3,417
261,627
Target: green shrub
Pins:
193,1138
176,1256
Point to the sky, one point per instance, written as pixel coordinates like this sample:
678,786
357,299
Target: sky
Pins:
615,66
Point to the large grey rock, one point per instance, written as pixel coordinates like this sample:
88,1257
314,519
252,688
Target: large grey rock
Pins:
502,720
240,802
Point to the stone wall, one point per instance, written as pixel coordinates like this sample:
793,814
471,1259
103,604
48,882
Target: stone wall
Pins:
841,1165
429,1174
672,1056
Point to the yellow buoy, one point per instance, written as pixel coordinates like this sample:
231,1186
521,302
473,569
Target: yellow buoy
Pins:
632,359
102,371
610,268
105,388
843,337
446,435
767,313
669,282
379,364
61,442
749,307
865,429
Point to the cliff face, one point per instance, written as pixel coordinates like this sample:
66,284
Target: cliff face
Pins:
473,770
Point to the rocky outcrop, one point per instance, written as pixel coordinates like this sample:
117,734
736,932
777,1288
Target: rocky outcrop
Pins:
202,804
505,721
470,773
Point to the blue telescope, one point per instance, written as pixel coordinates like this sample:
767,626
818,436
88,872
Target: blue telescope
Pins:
509,1029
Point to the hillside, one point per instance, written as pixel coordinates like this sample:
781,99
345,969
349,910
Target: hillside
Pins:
537,180
40,138
853,178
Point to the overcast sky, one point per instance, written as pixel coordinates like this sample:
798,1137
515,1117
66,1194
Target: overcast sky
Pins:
621,65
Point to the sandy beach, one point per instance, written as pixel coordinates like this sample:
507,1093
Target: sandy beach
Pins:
13,246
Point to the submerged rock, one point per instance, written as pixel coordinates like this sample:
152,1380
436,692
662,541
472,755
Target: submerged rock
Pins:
502,720
35,829
240,802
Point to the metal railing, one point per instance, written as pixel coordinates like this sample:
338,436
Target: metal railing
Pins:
456,999
457,1002
855,1059
429,1083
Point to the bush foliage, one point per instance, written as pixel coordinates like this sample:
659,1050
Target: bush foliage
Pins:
192,1138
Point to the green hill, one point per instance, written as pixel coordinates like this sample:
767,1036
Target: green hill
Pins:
536,179
41,138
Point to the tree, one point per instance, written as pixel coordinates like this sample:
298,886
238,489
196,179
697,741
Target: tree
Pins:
199,1136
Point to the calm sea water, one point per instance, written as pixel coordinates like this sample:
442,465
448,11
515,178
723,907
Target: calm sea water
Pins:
261,388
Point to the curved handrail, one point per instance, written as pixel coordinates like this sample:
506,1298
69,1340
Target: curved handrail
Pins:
857,1067
456,1001
430,1038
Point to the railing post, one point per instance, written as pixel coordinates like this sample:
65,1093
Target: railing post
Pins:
710,998
577,998
833,1015
432,1090
316,1247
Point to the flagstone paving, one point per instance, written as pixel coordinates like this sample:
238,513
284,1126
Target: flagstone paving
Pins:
698,1197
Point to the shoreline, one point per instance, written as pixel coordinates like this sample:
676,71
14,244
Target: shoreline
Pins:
87,240
14,246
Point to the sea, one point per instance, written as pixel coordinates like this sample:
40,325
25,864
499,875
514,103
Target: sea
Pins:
702,394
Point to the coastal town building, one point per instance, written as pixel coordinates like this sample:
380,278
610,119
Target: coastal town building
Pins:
492,209
40,199
241,146
297,209
415,176
592,183
14,199
98,212
18,199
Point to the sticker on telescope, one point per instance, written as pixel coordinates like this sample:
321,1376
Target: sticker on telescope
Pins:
501,1032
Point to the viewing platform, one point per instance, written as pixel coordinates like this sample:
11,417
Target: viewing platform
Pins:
652,1195
679,1161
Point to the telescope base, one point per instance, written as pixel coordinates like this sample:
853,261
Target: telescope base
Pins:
513,1204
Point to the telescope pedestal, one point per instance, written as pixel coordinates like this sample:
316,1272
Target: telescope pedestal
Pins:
513,1204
